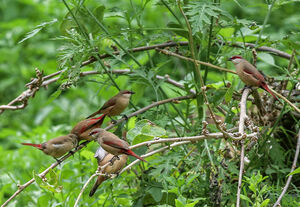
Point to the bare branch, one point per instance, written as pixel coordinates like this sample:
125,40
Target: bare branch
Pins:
243,116
167,52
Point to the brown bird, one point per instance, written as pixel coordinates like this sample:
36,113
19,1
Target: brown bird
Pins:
115,105
83,128
249,74
113,144
104,157
58,146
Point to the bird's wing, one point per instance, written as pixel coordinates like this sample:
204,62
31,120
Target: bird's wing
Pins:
111,102
116,143
92,122
250,69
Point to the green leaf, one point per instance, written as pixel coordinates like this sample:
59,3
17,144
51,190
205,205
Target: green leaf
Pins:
53,96
229,92
156,193
87,154
144,130
246,198
37,30
265,203
296,171
226,32
267,58
192,204
200,13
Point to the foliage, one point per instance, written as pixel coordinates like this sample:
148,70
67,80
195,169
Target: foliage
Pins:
61,35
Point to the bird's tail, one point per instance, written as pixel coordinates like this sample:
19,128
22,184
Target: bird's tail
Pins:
130,152
93,114
94,122
39,146
265,87
96,185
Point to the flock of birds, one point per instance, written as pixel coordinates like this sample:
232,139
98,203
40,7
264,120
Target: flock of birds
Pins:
112,145
89,129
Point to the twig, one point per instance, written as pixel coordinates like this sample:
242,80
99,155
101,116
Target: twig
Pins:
168,52
292,169
262,48
22,187
286,100
243,116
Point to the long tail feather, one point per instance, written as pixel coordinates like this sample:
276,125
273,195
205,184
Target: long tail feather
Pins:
265,86
96,185
93,114
130,152
39,146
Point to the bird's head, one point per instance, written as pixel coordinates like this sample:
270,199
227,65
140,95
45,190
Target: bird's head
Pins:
96,132
236,59
126,93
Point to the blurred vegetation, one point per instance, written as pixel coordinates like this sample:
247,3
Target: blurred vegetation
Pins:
44,35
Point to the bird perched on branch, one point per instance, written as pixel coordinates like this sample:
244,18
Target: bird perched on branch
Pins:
249,74
58,146
116,105
113,144
83,128
103,158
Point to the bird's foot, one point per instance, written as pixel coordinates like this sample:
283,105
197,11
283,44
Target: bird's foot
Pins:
112,120
72,153
58,161
125,117
113,159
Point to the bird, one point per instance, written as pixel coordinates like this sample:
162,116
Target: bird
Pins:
249,74
113,144
103,158
58,146
116,105
83,128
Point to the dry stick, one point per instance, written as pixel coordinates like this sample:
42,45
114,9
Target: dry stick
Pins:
286,100
22,187
243,116
168,52
262,48
292,169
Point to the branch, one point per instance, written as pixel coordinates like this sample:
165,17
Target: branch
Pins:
262,48
243,116
22,187
290,177
167,52
286,100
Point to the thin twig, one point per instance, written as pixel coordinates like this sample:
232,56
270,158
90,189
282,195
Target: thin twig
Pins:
292,169
168,52
243,116
286,100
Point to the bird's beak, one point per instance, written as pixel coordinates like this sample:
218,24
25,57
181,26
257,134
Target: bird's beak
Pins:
132,92
229,59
